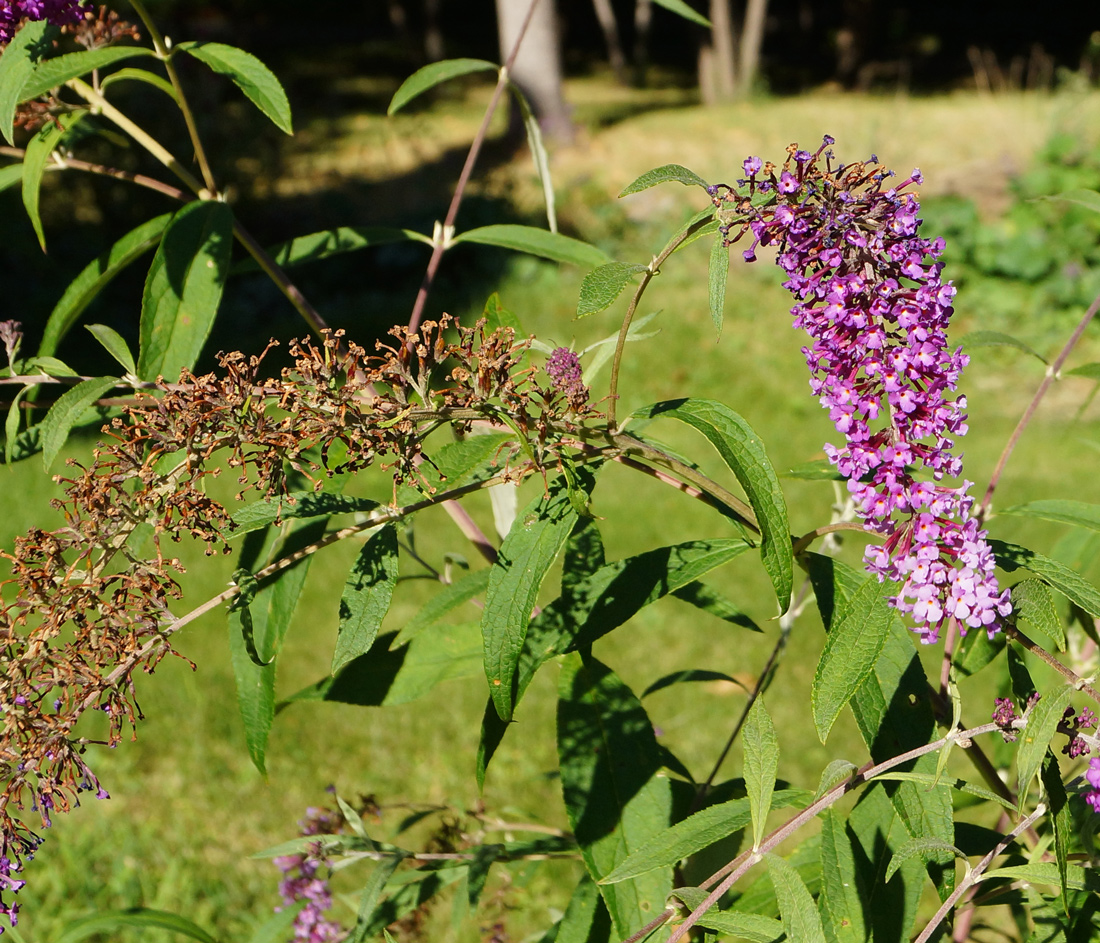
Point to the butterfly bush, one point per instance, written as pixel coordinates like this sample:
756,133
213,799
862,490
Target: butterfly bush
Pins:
57,12
301,882
870,295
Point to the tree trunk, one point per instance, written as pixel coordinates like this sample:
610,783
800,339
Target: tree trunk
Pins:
610,29
717,64
643,19
537,69
752,38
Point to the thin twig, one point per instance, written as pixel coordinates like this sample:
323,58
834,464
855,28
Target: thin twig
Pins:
1079,683
441,243
72,163
974,874
1051,375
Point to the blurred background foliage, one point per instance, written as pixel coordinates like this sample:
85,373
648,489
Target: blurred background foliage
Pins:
996,110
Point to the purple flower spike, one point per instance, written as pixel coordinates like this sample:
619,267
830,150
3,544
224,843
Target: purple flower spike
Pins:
870,295
58,12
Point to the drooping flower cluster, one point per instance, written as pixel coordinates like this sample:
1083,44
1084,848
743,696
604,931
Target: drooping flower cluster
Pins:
301,883
58,12
870,295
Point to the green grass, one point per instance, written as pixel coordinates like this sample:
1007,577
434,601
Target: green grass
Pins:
187,807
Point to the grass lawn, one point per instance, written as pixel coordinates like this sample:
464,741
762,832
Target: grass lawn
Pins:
188,808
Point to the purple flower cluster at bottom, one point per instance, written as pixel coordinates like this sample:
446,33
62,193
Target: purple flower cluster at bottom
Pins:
300,882
58,12
870,295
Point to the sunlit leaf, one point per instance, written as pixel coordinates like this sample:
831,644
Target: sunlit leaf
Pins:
366,597
35,159
535,241
603,285
55,72
16,65
67,411
433,74
249,74
664,174
108,922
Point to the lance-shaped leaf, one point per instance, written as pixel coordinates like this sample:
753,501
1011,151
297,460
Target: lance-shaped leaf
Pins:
140,75
1032,601
183,288
37,155
249,74
432,75
143,918
450,597
115,345
95,276
718,275
742,450
756,928
1042,721
538,154
366,597
57,71
526,555
1089,199
664,174
11,175
297,505
796,907
698,831
1078,513
840,899
713,602
1090,371
582,918
405,898
1060,818
1068,582
535,241
615,796
680,8
925,848
761,763
16,66
67,411
371,896
851,650
997,339
316,246
1077,878
603,285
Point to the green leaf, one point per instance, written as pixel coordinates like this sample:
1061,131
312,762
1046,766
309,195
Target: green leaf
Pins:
603,285
1060,818
615,795
937,781
1032,601
761,762
67,411
1036,736
1089,199
366,598
183,289
10,176
387,675
12,423
710,601
839,900
689,675
369,899
718,276
1090,371
921,848
108,922
447,599
435,73
1069,583
298,505
537,536
682,9
538,154
329,242
1042,873
1078,513
96,275
832,774
55,72
37,155
535,241
822,470
851,650
576,924
407,898
755,928
800,917
139,75
114,344
250,75
698,831
742,450
668,172
16,65
997,339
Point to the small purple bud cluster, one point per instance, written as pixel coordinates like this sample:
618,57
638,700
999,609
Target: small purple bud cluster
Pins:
58,12
300,882
563,367
1072,726
872,300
